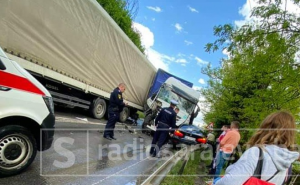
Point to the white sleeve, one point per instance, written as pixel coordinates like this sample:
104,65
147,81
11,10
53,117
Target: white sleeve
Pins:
242,170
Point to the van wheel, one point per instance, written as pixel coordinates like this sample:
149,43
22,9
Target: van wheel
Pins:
124,114
17,149
98,108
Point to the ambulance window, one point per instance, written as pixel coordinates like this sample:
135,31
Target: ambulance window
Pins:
2,67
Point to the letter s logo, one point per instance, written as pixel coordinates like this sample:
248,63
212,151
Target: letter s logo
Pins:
64,152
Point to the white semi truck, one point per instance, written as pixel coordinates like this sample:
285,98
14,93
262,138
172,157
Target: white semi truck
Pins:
173,89
77,51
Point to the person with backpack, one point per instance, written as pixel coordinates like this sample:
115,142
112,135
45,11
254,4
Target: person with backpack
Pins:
271,151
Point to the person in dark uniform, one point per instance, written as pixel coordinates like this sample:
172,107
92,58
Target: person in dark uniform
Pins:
116,106
165,122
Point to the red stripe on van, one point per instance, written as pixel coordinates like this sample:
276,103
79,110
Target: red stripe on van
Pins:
16,82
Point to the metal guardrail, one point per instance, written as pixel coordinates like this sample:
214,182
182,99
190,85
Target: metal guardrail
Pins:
157,176
294,180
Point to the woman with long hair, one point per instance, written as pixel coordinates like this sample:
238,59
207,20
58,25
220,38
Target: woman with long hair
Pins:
276,138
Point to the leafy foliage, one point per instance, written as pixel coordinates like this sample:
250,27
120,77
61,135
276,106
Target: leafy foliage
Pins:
120,12
192,169
262,73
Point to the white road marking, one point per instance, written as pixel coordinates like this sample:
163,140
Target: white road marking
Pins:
120,171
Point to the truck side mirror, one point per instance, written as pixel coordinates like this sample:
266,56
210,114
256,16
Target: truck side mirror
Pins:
197,111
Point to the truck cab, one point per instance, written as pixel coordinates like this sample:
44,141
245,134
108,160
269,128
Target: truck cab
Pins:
173,89
26,117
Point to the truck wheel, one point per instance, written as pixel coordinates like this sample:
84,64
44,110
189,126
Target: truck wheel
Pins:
124,114
135,116
17,149
146,122
98,108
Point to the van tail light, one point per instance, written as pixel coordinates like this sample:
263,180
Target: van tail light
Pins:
178,133
201,140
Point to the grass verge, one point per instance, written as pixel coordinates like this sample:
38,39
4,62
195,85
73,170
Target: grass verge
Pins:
194,168
296,171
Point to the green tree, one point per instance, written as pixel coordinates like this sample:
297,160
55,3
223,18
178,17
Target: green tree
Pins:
262,74
123,12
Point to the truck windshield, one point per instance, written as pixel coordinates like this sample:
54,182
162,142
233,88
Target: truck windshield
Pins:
185,107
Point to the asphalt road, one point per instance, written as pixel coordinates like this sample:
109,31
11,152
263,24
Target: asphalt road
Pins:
80,155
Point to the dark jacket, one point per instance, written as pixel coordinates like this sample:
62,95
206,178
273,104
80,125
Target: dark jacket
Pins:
116,103
167,116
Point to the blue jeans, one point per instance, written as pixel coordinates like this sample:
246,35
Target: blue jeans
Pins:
221,159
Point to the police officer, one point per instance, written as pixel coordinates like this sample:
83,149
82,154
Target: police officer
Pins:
116,106
165,121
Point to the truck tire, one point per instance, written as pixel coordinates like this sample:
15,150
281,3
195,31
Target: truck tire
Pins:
98,108
146,122
124,114
135,116
17,149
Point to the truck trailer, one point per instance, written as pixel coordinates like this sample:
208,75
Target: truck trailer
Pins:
77,51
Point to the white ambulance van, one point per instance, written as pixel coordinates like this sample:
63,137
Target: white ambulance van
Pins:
26,117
